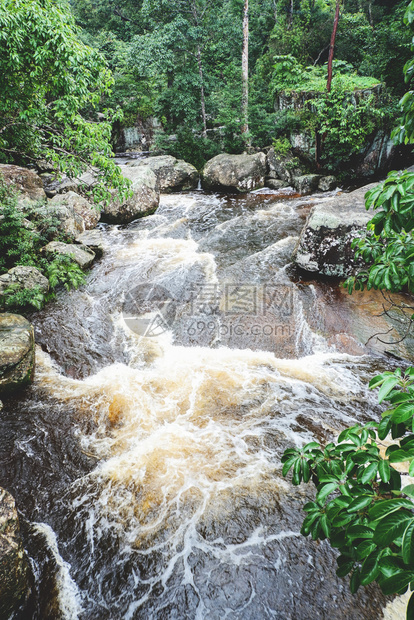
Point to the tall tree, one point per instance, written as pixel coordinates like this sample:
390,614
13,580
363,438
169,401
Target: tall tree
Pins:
245,73
332,45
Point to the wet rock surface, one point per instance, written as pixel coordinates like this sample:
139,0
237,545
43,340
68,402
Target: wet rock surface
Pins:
16,353
325,243
172,174
14,568
239,173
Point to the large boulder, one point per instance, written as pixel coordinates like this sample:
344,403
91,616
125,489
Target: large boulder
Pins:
65,217
144,200
14,567
306,183
81,254
54,185
88,212
325,242
240,173
26,182
173,175
24,277
17,358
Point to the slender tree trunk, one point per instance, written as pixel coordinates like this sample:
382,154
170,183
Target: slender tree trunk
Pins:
332,45
290,17
202,97
245,73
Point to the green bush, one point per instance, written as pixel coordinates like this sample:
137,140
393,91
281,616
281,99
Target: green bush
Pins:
23,232
360,505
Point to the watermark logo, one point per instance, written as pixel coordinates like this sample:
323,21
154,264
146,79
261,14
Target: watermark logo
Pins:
150,310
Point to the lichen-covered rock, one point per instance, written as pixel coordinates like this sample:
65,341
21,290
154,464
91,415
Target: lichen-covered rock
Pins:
88,212
173,174
81,254
22,277
327,184
306,183
17,359
240,173
14,568
96,240
26,182
65,216
284,167
325,242
144,200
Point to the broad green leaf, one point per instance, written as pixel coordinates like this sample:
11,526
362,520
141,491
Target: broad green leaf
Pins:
359,531
408,544
384,471
369,473
388,385
410,608
409,490
370,569
386,506
325,490
396,583
390,528
360,503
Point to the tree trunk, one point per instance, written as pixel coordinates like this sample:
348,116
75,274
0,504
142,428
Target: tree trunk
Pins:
202,97
290,16
332,45
245,73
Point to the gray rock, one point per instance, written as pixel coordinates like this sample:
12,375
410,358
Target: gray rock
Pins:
275,183
26,182
327,184
240,173
87,211
325,242
307,183
23,277
173,174
144,200
284,167
95,240
17,358
54,185
68,221
14,568
81,254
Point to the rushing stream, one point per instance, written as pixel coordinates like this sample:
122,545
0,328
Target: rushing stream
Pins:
145,460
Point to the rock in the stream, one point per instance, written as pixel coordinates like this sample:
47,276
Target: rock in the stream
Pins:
93,239
17,358
14,567
307,183
88,212
81,254
240,173
327,184
284,167
54,185
173,174
275,183
325,242
144,200
26,182
22,277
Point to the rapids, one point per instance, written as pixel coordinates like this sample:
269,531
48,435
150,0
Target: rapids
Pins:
145,459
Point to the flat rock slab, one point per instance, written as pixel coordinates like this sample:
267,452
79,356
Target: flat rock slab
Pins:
325,242
17,359
81,254
13,562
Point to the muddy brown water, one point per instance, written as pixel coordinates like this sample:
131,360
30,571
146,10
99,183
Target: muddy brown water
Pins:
145,459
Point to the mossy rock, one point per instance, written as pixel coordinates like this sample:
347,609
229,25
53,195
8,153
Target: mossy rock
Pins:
17,357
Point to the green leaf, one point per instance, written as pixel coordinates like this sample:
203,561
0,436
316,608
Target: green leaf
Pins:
409,490
386,506
369,473
410,608
408,544
355,581
396,583
387,387
390,528
325,490
402,413
384,471
370,569
359,531
360,503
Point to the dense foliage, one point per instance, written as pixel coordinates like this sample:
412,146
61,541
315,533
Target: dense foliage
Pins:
23,233
167,57
361,505
53,85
